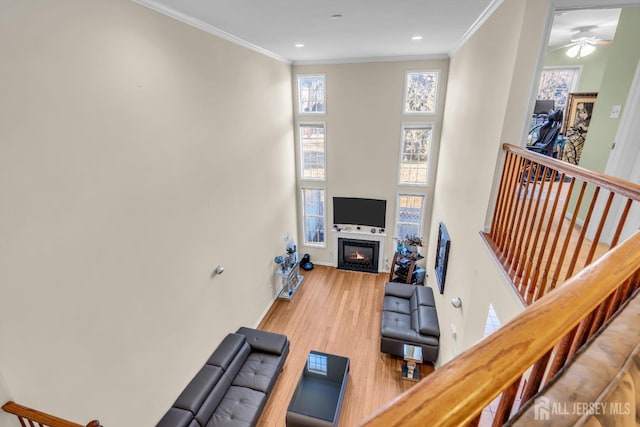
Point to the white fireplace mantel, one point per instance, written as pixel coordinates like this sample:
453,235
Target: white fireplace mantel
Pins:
363,234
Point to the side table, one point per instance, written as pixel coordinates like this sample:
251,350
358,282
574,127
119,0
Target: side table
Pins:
291,280
412,357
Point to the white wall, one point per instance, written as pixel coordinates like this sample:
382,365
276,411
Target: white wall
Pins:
135,152
490,82
364,122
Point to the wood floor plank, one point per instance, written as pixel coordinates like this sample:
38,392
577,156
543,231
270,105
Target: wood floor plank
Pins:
337,312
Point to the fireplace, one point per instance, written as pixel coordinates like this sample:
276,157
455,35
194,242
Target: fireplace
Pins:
358,255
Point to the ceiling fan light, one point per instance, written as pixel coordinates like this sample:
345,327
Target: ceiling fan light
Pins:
587,49
581,49
572,52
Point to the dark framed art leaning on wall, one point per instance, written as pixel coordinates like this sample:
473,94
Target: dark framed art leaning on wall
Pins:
577,118
442,256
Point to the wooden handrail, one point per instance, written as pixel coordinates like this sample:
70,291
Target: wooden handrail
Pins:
41,418
617,185
549,220
455,394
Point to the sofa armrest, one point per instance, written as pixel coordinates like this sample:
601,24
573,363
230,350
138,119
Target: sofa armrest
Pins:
176,417
401,290
267,342
428,321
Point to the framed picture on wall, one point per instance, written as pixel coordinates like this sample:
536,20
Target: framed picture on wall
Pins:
577,118
442,256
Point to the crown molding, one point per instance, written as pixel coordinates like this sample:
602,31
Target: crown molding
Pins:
486,14
356,60
208,28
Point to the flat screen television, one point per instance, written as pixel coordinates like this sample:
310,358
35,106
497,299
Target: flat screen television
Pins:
543,106
357,211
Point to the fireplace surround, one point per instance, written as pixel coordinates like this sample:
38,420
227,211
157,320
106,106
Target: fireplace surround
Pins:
365,239
358,255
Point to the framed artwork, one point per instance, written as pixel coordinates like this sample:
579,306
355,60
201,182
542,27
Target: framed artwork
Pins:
576,124
442,256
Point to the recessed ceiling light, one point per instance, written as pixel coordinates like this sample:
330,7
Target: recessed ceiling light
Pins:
416,38
336,17
299,45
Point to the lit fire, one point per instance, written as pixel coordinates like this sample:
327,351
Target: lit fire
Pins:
358,256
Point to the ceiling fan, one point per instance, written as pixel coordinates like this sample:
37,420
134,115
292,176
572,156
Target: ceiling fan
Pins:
584,42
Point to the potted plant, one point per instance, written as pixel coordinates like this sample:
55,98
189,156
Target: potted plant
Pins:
411,243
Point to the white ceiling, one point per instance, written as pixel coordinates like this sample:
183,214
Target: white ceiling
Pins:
366,30
602,22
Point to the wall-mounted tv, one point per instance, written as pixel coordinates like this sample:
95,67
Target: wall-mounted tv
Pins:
357,211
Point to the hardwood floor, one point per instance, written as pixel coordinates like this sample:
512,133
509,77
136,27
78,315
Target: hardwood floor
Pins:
337,312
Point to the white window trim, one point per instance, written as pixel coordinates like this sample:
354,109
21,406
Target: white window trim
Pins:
415,125
404,96
301,154
577,68
422,212
311,113
303,216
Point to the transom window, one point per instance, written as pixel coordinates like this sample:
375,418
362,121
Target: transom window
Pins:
311,94
414,153
410,214
312,151
313,202
421,92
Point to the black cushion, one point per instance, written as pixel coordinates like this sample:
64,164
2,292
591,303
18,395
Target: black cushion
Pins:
241,407
213,399
396,304
258,372
264,341
199,388
176,417
424,296
226,351
428,321
393,321
401,290
403,327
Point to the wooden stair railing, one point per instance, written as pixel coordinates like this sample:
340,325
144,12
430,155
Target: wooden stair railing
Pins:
456,393
33,418
537,234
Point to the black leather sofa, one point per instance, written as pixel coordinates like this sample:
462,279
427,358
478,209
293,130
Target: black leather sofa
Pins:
409,316
232,387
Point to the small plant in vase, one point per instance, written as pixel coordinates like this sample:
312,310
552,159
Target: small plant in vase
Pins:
411,243
290,248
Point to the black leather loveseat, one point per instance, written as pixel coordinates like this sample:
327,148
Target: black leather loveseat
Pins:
409,317
232,388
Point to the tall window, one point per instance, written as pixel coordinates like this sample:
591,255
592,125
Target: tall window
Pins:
556,83
421,92
414,153
313,205
410,214
312,151
311,94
